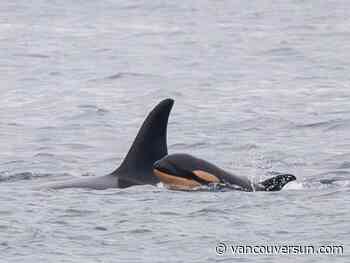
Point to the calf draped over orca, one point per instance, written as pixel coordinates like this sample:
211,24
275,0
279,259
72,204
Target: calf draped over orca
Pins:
186,172
149,146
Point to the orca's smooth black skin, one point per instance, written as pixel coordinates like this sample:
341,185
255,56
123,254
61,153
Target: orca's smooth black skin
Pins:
149,146
185,166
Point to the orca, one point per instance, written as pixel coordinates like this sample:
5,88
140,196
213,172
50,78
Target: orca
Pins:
186,172
149,146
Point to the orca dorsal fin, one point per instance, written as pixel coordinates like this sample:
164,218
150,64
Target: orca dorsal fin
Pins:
276,183
149,146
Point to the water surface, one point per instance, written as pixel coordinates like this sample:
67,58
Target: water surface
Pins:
260,86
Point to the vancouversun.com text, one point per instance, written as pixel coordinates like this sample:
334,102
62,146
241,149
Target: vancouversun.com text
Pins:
227,248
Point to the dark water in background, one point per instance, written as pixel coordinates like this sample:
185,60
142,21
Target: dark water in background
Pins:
260,86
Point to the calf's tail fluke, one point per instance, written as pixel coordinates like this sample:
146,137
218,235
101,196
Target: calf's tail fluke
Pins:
276,183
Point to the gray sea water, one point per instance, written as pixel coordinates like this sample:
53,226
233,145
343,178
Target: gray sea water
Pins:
259,87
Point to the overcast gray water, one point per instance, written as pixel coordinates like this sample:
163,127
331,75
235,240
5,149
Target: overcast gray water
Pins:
259,87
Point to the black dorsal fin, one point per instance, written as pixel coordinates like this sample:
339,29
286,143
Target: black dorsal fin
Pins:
149,146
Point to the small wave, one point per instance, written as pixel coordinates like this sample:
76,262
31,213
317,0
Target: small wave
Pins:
294,186
320,124
43,154
55,73
169,213
331,174
47,128
88,111
13,162
246,147
80,118
101,228
339,125
135,231
15,124
331,193
93,107
342,182
32,55
17,177
71,158
197,145
4,244
25,176
77,146
140,231
344,165
329,125
206,211
122,75
283,51
331,179
72,212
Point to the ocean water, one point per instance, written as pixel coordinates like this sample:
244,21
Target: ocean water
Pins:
259,87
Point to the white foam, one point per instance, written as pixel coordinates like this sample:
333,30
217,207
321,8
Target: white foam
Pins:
294,186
